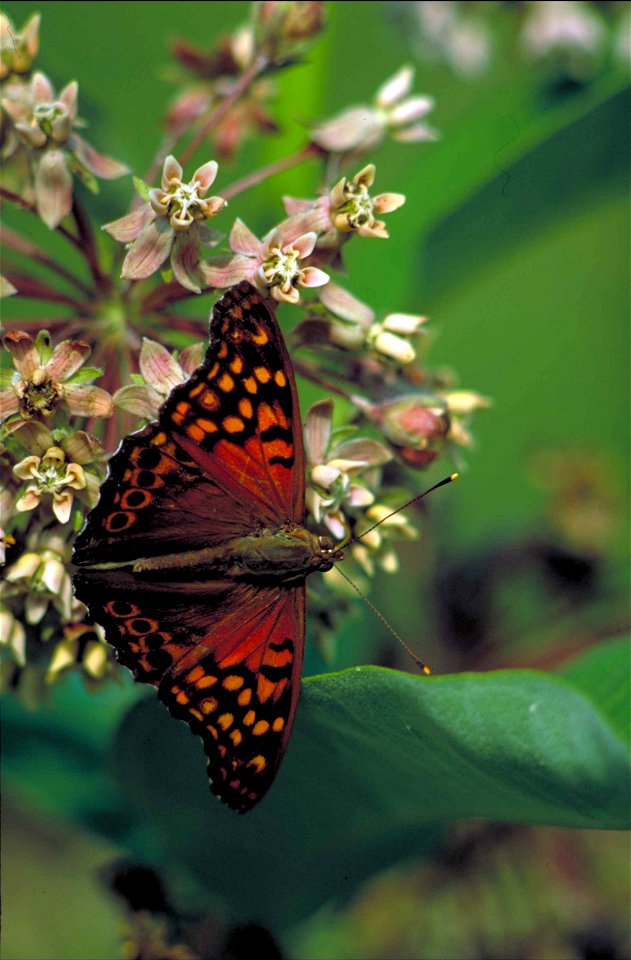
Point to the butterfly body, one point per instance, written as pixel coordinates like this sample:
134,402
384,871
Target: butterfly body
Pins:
195,559
283,556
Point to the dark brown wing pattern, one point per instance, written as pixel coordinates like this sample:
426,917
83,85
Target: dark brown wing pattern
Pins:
224,459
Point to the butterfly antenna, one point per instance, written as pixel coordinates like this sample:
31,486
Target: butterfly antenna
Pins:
422,666
419,496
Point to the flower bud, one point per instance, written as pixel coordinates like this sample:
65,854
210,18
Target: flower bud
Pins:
416,425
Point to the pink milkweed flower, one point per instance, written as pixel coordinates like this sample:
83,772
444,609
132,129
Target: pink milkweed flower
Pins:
273,264
161,372
360,129
46,124
18,49
333,470
348,207
57,469
170,225
46,378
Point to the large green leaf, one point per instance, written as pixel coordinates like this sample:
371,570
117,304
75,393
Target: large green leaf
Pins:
379,759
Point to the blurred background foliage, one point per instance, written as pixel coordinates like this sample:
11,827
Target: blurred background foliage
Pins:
514,239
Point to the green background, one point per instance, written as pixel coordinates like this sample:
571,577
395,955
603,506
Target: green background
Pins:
514,239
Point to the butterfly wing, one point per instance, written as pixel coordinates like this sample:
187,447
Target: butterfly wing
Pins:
225,657
225,459
238,417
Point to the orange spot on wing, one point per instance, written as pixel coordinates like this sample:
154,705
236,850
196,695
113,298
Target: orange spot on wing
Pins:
267,417
250,385
233,424
225,383
195,432
262,374
195,674
245,408
264,688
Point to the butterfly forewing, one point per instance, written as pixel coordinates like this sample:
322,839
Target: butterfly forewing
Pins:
238,416
225,460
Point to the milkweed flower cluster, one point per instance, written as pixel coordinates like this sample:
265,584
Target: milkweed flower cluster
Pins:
60,418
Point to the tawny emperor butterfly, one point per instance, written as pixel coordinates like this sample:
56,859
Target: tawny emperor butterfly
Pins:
196,556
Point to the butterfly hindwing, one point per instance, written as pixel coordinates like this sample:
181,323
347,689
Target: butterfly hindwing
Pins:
226,659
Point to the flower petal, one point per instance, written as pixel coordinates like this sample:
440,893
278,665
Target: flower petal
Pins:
66,359
410,110
293,205
364,450
140,399
24,352
68,97
404,323
387,202
26,469
217,274
418,133
313,277
344,305
317,430
356,127
303,244
158,367
171,172
41,88
127,228
53,187
88,401
35,437
191,358
82,448
106,168
9,403
149,251
30,498
185,262
242,240
205,175
395,88
62,505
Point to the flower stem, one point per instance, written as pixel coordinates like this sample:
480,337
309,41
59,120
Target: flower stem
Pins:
26,248
25,205
311,150
216,116
309,372
88,246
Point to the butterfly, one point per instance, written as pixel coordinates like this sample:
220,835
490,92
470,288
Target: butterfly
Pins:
195,558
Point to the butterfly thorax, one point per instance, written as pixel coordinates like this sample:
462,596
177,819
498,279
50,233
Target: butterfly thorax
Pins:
273,555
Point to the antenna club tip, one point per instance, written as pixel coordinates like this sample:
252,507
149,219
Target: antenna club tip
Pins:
426,670
454,476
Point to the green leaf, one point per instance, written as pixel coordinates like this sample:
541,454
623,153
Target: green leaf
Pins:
379,760
142,188
85,374
44,347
